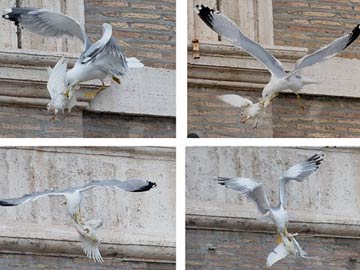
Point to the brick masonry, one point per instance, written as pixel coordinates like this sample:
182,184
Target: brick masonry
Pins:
210,117
210,250
17,261
146,29
106,125
313,24
19,121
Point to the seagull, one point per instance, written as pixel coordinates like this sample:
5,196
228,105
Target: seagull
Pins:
250,109
254,190
280,79
89,238
56,88
99,60
88,228
73,195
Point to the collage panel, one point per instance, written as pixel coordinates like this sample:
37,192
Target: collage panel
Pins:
278,207
273,69
87,68
87,208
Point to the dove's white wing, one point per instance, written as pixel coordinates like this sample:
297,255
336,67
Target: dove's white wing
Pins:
235,100
279,253
56,82
91,249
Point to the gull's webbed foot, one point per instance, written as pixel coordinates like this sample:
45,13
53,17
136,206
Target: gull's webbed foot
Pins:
299,100
52,118
278,239
93,94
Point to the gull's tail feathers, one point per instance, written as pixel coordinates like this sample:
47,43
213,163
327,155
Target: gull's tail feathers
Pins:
308,80
133,62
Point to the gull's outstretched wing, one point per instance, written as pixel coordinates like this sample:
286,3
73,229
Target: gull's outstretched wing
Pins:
253,189
235,100
131,185
298,173
225,27
29,197
56,82
47,23
279,253
335,47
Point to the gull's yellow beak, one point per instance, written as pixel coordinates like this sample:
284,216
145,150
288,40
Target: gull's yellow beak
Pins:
266,102
244,120
67,92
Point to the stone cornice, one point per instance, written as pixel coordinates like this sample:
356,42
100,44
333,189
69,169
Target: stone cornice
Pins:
147,91
253,225
71,248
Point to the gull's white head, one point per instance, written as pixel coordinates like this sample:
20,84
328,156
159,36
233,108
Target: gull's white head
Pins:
267,97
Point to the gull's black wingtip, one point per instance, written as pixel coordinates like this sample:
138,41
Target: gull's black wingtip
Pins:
6,204
222,180
206,14
354,35
147,187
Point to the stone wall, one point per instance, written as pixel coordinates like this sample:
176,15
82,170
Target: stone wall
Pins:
146,28
138,230
323,116
313,24
222,226
33,122
223,249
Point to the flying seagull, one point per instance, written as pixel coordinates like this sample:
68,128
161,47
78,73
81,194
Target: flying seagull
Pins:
56,86
89,238
73,195
99,60
254,190
250,109
280,79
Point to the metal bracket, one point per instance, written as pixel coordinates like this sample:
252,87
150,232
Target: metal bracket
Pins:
196,48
